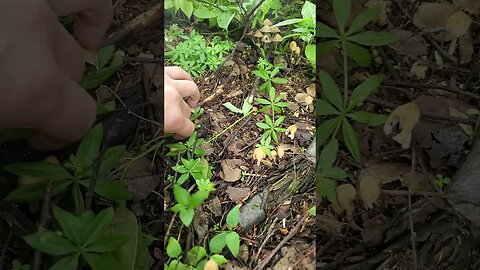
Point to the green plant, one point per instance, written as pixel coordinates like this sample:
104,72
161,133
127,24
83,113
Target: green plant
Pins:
273,102
193,146
196,168
245,110
304,27
351,41
229,238
73,174
312,211
103,71
442,181
86,236
327,173
186,203
196,257
17,265
341,111
271,127
195,55
265,145
268,72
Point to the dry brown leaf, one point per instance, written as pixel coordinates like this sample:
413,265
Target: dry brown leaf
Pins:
346,197
237,195
431,16
458,23
300,97
455,112
406,117
419,70
291,130
231,171
472,6
371,178
330,225
410,43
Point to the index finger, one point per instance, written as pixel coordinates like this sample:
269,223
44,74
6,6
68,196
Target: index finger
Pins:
177,73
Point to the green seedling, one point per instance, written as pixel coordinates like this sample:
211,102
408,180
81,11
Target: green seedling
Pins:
230,238
108,63
73,174
186,203
245,110
193,146
304,27
312,211
198,169
273,103
197,257
86,236
17,265
327,173
340,111
271,127
351,41
265,145
442,181
268,72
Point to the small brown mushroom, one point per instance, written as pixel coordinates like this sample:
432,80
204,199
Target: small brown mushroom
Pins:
297,50
293,46
265,29
266,39
277,38
267,22
275,29
258,34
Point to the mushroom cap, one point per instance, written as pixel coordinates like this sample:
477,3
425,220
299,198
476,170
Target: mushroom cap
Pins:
258,34
267,22
277,38
293,46
266,39
297,50
265,29
275,29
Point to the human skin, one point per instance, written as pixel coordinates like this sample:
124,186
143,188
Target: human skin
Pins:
41,65
179,85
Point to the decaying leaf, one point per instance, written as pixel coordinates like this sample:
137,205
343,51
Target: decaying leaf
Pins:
231,171
330,225
431,16
455,112
458,23
405,117
419,70
291,130
371,179
346,197
238,195
383,18
471,6
410,43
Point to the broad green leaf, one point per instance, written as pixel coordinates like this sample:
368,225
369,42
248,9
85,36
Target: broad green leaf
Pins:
324,108
205,13
368,118
233,242
67,263
268,120
246,107
134,254
232,107
371,38
364,90
173,248
360,55
39,169
102,261
289,22
69,223
78,199
325,31
93,81
88,149
326,188
108,243
219,259
104,55
112,190
232,217
363,18
196,254
217,243
50,243
310,53
350,139
331,90
341,9
309,10
328,155
198,198
186,216
280,80
112,157
326,129
99,225
262,125
28,193
182,196
224,19
262,101
335,173
186,7
325,47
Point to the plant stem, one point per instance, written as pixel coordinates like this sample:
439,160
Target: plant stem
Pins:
345,71
229,127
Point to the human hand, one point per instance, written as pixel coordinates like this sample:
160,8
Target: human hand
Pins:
178,85
41,65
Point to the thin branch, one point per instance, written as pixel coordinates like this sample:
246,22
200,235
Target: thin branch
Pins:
44,217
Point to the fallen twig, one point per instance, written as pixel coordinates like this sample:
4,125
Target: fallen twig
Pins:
44,217
430,86
413,235
292,232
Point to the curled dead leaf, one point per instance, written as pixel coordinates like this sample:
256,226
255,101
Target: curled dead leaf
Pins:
431,16
346,197
406,118
457,113
458,23
231,171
